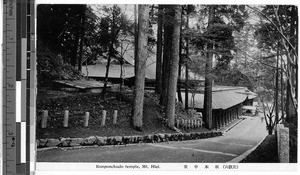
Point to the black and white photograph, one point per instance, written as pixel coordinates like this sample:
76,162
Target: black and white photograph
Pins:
151,84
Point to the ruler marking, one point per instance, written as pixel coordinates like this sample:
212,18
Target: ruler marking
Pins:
9,41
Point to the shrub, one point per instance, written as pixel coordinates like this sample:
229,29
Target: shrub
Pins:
51,67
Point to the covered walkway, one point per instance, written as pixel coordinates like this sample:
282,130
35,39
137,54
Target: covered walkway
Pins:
227,102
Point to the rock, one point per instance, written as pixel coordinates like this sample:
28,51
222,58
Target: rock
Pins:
180,137
65,142
126,140
118,140
43,143
101,141
186,136
129,139
156,138
139,139
175,137
89,141
148,139
161,137
76,141
193,136
53,142
109,140
168,137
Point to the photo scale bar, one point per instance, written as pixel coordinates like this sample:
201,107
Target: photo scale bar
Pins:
21,85
9,87
31,90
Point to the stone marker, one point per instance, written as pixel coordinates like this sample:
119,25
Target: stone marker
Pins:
283,143
66,118
115,117
44,119
86,119
103,118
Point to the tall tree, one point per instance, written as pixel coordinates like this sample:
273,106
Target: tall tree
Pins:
143,26
158,85
277,86
280,23
111,49
61,31
208,75
168,30
135,38
82,35
180,62
186,61
113,24
174,62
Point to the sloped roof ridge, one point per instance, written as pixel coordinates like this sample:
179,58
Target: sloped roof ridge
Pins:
228,88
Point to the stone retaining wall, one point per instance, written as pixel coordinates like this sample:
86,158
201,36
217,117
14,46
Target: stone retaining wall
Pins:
122,140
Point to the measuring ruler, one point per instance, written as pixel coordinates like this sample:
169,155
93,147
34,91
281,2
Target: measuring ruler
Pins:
9,86
18,87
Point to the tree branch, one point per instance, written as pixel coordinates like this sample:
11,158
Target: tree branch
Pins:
279,29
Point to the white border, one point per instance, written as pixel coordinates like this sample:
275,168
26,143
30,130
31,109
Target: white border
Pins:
171,168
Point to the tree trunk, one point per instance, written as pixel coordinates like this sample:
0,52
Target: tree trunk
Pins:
276,86
81,38
186,66
158,85
282,88
110,54
121,71
141,65
135,38
179,84
208,77
295,10
75,48
106,76
180,65
174,62
168,30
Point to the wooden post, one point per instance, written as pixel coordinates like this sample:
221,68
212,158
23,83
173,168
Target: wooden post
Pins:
186,124
86,119
66,118
44,119
103,118
178,123
115,117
